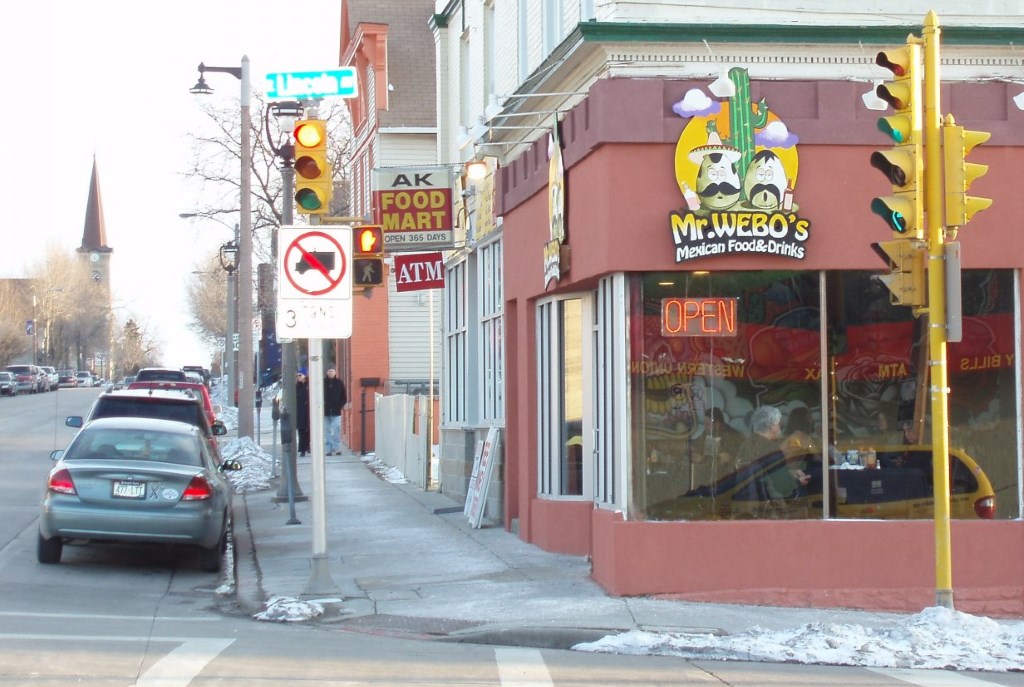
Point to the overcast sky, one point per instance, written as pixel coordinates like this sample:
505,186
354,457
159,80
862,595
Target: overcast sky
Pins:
111,79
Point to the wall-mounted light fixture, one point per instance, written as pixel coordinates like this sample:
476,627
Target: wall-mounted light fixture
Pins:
722,87
1018,100
871,99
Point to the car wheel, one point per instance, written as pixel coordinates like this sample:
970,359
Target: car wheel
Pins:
49,550
212,559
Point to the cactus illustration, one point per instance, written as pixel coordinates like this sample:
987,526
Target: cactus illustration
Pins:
742,120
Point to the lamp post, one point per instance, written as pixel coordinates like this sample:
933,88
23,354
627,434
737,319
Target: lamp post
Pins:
229,261
245,370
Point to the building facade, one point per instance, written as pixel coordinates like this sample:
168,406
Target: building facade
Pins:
690,246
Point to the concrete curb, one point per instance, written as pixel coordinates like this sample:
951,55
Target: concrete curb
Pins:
249,592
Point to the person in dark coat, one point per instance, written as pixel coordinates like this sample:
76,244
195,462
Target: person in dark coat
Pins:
335,398
302,410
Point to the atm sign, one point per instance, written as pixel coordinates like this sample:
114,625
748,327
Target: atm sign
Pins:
699,316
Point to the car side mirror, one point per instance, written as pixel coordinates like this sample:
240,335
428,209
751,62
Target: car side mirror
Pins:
73,421
231,465
55,455
218,429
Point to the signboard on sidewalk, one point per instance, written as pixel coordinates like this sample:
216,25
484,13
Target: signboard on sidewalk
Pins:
483,467
314,296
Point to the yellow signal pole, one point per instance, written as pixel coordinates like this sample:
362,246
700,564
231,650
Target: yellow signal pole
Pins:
939,381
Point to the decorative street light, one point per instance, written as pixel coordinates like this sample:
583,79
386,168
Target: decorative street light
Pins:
246,396
229,263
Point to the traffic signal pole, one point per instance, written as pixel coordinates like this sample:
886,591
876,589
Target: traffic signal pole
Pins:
937,336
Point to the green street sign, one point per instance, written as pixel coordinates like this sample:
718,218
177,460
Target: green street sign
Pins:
327,83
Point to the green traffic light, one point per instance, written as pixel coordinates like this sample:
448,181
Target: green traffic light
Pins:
308,199
896,220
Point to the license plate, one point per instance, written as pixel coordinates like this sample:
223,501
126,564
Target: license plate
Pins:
129,490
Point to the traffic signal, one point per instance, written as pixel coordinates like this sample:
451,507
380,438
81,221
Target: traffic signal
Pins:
958,174
369,241
368,255
902,165
314,183
906,279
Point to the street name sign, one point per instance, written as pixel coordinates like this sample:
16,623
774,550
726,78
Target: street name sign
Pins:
314,277
326,83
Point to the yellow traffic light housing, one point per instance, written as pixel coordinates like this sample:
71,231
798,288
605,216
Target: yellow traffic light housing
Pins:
314,183
368,255
958,174
903,165
906,279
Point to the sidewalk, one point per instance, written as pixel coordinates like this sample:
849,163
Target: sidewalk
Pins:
405,562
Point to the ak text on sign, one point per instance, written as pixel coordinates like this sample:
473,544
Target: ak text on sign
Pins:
414,206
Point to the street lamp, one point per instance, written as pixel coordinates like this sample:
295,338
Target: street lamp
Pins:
246,396
229,263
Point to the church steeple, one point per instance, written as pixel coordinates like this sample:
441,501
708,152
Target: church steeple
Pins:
94,236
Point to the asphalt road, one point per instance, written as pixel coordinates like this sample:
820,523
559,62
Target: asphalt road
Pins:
124,616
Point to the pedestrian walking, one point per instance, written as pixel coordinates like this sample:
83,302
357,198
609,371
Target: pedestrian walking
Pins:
302,410
335,398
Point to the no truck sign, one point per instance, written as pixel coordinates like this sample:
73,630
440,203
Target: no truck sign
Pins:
414,207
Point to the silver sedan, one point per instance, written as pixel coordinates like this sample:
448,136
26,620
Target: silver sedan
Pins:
137,480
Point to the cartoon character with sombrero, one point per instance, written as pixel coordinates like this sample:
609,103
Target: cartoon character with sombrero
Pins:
718,180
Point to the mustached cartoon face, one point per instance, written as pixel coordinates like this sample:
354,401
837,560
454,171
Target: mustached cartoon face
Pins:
718,184
765,181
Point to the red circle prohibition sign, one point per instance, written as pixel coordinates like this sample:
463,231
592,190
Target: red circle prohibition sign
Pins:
314,263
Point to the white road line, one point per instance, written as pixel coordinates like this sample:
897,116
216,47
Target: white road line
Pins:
931,678
522,668
178,668
107,638
95,616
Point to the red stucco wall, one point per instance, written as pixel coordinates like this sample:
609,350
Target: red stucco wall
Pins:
620,187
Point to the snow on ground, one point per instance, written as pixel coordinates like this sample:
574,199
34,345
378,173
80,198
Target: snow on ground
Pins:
935,638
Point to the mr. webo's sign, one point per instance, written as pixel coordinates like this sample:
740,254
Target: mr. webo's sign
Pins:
736,166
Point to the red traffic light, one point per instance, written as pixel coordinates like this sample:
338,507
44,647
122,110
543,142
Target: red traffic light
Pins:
369,240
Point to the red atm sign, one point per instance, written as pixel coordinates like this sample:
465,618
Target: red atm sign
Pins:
698,316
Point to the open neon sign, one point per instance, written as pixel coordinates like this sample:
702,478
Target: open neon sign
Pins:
698,316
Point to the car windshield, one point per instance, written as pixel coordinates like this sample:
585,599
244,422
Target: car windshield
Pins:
6,376
161,376
20,369
117,443
114,406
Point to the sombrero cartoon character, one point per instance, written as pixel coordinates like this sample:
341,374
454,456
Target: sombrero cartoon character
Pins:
718,182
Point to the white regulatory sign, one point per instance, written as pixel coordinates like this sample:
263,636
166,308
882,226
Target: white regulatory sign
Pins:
314,277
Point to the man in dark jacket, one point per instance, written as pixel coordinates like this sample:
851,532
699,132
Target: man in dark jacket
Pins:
335,398
302,410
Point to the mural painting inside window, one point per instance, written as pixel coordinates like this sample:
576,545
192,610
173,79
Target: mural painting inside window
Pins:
729,423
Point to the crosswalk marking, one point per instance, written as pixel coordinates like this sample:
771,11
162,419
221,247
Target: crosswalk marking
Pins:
931,678
522,668
180,666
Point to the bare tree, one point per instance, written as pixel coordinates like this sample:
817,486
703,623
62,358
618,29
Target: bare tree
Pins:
14,343
134,348
207,299
216,156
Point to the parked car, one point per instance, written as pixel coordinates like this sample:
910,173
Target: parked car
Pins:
196,387
84,378
160,374
28,378
137,480
182,405
67,379
201,371
51,376
900,488
8,384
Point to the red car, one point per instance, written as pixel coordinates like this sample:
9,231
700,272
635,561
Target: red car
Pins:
199,389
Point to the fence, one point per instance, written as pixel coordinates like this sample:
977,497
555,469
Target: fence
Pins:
401,437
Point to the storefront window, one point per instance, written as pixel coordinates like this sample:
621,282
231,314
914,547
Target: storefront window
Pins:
729,372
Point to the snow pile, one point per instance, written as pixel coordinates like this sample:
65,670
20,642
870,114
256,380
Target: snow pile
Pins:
286,609
935,638
257,465
383,470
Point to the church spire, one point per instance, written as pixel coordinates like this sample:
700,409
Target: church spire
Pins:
94,236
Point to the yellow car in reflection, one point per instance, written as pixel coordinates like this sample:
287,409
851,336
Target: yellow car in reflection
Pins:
791,487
